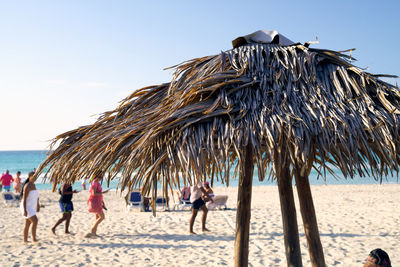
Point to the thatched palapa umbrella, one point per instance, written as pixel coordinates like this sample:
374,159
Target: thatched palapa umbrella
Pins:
267,102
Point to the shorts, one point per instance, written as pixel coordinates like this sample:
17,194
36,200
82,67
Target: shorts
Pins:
66,207
198,203
6,188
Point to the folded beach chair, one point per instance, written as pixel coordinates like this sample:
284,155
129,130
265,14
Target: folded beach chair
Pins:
184,199
9,198
135,200
219,202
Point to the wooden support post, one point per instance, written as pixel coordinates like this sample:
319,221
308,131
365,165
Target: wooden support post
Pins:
244,208
288,210
309,220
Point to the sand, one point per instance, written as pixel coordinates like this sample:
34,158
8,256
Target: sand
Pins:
353,219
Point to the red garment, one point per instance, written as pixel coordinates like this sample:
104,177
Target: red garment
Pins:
95,203
6,179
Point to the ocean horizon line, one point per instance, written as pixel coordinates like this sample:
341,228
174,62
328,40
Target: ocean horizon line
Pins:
26,160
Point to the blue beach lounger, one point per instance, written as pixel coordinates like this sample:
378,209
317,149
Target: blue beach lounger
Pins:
135,200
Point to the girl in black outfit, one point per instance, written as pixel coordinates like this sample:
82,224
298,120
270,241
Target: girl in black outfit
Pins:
66,206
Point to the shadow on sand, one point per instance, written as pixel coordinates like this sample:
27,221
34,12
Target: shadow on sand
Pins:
175,241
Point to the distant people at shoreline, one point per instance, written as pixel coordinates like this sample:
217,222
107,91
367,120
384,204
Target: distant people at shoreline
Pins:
6,179
29,206
17,182
83,184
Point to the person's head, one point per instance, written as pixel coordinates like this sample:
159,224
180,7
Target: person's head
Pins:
377,258
98,176
207,185
31,177
7,171
18,173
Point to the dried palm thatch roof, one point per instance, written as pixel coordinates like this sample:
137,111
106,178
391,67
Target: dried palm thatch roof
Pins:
313,103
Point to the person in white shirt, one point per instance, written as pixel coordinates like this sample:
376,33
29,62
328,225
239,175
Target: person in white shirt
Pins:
196,198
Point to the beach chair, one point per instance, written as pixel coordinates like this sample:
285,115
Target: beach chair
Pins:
184,199
162,202
219,202
9,199
135,200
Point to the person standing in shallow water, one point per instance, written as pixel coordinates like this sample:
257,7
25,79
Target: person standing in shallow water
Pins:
66,206
29,206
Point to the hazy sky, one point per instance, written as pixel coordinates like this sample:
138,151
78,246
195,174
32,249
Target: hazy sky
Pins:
64,62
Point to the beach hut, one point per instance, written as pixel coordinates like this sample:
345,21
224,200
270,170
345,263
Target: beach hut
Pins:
268,102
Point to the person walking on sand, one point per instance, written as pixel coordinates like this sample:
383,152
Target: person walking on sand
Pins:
17,183
66,206
197,200
6,179
96,205
29,206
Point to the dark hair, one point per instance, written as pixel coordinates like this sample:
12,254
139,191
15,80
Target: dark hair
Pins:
382,258
25,182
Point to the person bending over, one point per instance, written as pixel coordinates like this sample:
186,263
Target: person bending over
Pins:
196,198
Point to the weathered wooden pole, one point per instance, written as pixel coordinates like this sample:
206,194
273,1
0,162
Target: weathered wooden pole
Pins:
309,219
244,208
288,210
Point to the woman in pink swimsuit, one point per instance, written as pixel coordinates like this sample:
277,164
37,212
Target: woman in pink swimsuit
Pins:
95,204
17,183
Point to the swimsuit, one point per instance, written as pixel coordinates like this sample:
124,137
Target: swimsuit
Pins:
66,207
65,201
198,203
6,188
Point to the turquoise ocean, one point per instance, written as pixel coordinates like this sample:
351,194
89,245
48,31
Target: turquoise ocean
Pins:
26,161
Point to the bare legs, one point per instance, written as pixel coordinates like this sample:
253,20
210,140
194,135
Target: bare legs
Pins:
67,218
99,218
34,221
203,219
191,222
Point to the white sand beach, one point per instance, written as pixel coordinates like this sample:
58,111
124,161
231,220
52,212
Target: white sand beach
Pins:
353,219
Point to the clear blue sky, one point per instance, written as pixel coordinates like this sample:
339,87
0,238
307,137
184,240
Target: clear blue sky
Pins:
61,62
